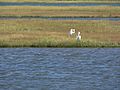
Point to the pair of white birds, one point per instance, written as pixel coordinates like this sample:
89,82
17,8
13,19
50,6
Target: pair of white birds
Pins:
72,31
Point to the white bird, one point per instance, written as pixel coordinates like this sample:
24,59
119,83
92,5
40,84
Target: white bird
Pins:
72,31
78,37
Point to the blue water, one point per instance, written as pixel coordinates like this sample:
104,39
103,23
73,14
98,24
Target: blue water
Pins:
56,4
60,69
60,18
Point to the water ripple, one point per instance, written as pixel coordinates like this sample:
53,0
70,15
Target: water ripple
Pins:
56,69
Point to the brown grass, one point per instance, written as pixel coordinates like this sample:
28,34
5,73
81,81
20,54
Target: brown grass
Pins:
84,11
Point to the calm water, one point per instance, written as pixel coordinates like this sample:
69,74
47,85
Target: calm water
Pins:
56,4
60,18
59,69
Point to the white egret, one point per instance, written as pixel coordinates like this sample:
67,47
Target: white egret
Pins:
78,37
72,31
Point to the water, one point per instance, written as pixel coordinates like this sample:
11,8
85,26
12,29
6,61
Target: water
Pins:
60,18
56,4
60,69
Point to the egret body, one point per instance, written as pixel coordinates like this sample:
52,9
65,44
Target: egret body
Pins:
78,37
72,31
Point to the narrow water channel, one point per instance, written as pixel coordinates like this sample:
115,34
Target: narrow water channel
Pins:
60,18
56,4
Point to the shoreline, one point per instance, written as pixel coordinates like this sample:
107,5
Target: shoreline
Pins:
55,46
59,47
44,17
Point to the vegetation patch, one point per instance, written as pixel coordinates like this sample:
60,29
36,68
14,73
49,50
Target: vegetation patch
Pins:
47,33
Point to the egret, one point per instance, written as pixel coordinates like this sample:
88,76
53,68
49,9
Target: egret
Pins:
78,37
72,31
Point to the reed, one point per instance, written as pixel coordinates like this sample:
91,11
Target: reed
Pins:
47,33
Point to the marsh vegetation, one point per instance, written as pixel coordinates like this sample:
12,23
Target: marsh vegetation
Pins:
31,32
47,33
53,11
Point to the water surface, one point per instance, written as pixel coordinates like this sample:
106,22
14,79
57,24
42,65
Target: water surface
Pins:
60,18
56,4
60,69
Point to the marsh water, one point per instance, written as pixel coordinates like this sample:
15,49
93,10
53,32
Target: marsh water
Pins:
56,4
59,68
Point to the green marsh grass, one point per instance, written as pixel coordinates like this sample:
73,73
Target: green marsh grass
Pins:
47,33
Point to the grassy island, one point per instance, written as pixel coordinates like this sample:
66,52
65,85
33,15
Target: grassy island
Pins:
47,33
28,31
